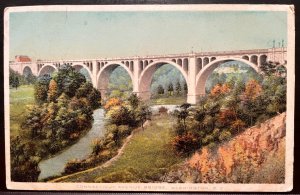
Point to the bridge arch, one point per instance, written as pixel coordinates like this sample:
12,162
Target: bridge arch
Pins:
203,75
104,74
47,69
26,69
148,72
79,66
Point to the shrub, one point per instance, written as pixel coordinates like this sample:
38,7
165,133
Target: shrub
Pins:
124,130
186,144
162,110
97,146
73,166
224,135
112,102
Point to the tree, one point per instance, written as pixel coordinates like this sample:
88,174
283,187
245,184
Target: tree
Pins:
183,113
252,90
144,114
121,115
185,88
33,121
112,102
170,89
16,83
24,165
199,116
68,80
268,68
160,90
86,90
30,78
134,101
94,98
219,90
41,88
52,91
178,88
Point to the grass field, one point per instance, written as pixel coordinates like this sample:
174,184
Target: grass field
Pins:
172,100
146,158
19,99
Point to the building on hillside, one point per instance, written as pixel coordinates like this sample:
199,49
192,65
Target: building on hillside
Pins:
20,58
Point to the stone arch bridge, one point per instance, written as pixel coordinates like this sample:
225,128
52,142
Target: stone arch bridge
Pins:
195,67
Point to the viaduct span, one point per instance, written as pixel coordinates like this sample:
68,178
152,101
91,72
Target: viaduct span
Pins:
195,67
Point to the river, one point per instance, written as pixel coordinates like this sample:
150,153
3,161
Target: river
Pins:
81,149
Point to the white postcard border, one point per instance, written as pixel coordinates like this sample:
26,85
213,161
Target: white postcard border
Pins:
287,186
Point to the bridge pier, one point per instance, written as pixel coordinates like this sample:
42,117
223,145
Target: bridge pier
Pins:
145,95
103,93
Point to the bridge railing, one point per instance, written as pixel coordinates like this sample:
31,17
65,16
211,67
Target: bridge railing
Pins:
149,57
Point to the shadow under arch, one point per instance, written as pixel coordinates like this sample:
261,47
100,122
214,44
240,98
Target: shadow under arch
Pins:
203,75
47,69
148,72
102,79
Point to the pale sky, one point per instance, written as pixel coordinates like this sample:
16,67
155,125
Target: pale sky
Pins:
87,35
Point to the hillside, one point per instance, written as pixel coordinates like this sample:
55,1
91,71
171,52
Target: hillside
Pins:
255,156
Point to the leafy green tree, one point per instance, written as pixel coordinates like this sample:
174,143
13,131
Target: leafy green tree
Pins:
24,163
183,113
94,98
185,88
68,80
170,89
144,114
199,116
86,90
178,88
41,89
133,101
30,78
123,116
268,68
33,121
16,82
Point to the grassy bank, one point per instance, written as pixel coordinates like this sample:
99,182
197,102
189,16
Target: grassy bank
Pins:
146,158
19,99
172,100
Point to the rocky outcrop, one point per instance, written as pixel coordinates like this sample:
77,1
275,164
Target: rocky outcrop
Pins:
255,154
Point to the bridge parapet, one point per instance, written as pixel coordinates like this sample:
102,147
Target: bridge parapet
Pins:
183,55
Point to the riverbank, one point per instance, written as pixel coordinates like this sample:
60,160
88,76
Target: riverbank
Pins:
80,150
145,158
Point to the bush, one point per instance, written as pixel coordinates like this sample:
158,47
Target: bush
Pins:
224,135
124,130
97,146
73,166
186,144
162,110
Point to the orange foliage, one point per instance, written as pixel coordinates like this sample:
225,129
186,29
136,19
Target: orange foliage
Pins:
226,116
252,90
52,91
112,102
242,156
219,90
237,125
